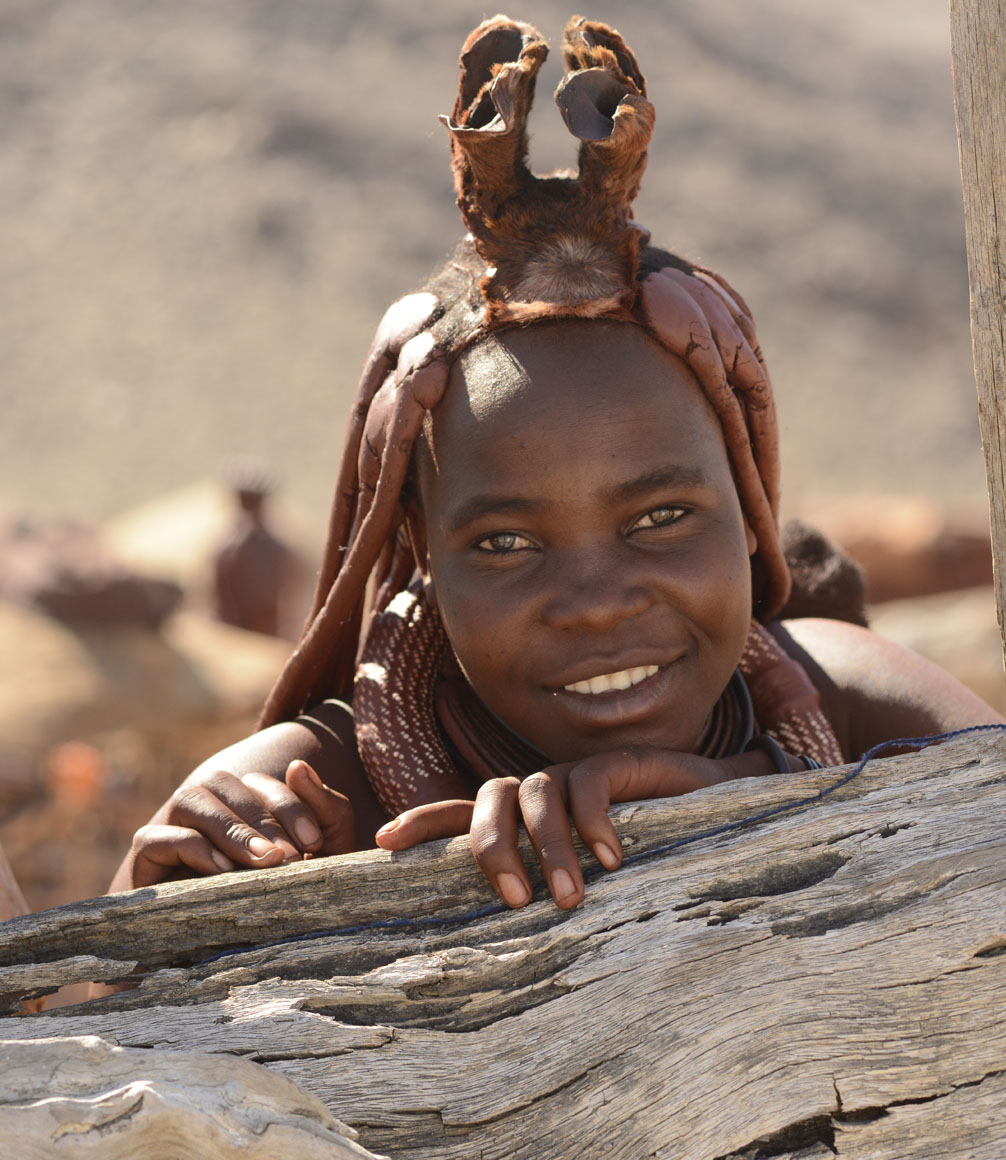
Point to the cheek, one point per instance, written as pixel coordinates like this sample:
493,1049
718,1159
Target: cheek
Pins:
716,597
717,574
735,588
477,622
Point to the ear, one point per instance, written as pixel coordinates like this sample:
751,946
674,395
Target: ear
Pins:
752,539
415,523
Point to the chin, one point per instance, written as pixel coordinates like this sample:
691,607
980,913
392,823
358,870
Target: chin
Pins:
580,748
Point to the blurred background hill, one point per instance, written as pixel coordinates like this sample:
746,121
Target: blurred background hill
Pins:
205,207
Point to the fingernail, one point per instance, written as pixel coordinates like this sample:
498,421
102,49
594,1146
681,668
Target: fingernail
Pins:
389,826
260,847
562,885
308,770
606,856
513,890
306,832
221,860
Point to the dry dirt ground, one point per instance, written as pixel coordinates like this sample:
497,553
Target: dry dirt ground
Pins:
205,206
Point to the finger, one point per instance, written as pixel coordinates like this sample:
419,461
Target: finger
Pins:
426,824
158,851
542,802
196,807
590,796
635,773
250,796
330,812
494,840
281,813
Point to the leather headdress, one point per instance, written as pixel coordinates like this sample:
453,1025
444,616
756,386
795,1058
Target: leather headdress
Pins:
562,246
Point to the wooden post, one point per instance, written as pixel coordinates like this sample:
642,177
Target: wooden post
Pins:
12,901
978,35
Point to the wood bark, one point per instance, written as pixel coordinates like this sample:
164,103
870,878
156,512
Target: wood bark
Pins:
978,30
825,980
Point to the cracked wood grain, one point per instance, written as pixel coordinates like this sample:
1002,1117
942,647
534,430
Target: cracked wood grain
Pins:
978,33
806,983
962,1122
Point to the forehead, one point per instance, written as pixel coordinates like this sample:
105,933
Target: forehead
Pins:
554,374
566,409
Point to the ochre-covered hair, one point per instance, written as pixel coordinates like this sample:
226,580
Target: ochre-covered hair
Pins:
538,248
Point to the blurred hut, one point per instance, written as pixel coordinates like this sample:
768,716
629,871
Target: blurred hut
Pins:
108,697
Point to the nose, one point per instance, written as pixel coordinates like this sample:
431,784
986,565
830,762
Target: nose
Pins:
595,592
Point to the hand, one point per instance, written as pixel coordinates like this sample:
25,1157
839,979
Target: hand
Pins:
545,801
216,821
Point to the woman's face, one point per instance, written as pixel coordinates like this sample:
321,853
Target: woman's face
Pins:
586,546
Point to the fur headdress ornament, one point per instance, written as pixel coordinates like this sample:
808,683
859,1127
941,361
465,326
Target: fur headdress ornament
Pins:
560,245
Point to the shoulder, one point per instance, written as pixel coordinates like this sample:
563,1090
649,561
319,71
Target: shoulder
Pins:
323,736
874,690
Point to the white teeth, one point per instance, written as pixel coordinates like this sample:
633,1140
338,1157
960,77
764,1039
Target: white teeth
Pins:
610,681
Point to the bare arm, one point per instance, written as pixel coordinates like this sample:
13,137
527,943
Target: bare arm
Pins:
873,690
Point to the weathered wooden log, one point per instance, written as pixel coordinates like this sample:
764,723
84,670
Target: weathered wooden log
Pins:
978,34
114,1103
828,979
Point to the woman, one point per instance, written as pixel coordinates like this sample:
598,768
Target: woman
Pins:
553,577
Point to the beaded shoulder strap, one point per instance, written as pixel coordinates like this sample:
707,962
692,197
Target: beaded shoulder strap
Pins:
786,702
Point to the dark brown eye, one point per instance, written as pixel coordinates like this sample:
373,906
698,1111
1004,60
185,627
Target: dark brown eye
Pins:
660,517
503,543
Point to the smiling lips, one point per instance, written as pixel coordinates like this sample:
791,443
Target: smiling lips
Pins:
610,682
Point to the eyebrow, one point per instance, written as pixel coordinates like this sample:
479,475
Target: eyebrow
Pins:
663,477
484,505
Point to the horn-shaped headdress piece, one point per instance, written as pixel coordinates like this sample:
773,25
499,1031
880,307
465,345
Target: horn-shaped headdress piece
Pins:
554,245
538,247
